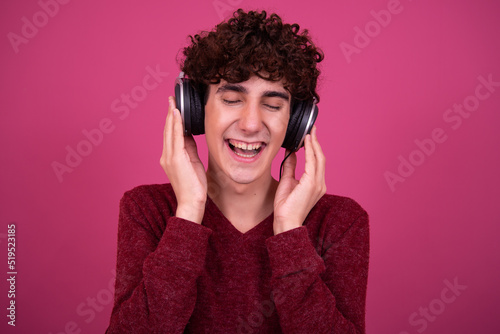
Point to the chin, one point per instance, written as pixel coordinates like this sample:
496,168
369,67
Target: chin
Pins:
244,176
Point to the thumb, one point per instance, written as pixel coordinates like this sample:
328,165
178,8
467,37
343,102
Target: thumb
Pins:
191,148
289,166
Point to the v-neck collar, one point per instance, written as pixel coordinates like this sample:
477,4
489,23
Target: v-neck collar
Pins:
220,223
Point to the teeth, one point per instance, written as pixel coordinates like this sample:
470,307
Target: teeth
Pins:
245,155
245,146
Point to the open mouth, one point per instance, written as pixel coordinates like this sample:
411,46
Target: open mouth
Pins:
245,150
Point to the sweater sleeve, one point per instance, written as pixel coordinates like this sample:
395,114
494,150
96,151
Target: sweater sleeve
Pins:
155,289
320,294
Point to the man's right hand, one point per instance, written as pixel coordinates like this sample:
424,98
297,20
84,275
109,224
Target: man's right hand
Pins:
184,168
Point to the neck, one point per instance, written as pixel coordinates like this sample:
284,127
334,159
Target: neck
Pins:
244,205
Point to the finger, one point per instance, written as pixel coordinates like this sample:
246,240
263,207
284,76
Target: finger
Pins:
167,118
318,153
289,166
178,131
167,133
310,168
171,125
321,161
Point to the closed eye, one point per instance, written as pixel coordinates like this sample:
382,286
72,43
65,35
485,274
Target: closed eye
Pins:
273,107
229,102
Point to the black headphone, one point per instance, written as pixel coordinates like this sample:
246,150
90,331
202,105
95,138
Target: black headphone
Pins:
192,107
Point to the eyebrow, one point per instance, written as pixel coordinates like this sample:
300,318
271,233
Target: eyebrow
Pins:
273,93
241,89
232,88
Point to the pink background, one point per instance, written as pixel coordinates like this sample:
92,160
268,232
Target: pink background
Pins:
439,226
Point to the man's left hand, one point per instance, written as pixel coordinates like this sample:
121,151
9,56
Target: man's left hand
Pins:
295,198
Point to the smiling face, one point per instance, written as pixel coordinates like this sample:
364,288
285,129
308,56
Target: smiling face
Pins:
245,125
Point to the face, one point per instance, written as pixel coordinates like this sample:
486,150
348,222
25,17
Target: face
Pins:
245,125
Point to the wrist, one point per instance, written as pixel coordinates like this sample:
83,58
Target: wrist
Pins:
191,213
279,227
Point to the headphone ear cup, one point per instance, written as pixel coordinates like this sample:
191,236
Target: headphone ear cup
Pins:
302,118
197,112
293,122
192,110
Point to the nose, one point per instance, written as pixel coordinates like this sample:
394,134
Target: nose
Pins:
250,118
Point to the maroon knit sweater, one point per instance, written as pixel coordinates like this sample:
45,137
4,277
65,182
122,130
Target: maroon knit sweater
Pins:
176,276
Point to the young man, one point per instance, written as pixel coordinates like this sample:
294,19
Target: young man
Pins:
231,250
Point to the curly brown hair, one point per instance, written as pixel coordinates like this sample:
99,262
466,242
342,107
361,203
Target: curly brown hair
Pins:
254,44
